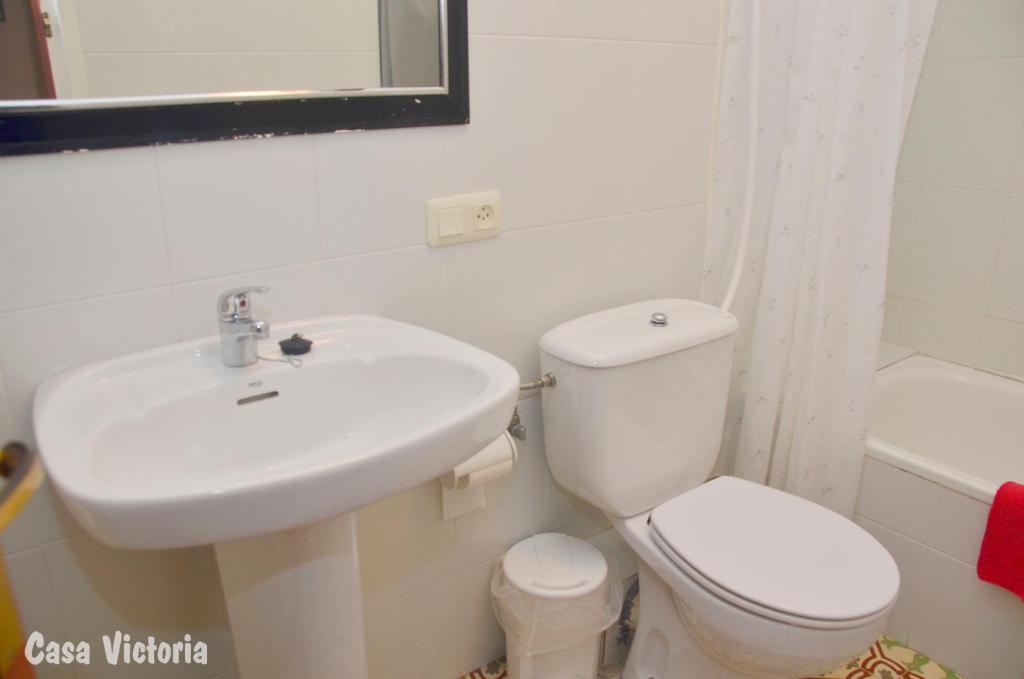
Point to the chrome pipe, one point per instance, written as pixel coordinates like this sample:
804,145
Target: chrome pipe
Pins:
548,380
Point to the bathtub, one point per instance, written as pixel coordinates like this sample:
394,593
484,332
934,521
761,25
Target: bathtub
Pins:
958,427
942,439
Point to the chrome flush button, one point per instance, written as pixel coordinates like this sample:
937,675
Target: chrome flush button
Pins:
659,320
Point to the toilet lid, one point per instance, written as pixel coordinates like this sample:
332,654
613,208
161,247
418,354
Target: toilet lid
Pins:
777,551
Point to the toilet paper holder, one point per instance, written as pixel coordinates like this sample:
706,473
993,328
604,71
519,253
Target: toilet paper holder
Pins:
462,489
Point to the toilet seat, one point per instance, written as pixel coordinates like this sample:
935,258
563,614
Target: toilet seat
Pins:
776,555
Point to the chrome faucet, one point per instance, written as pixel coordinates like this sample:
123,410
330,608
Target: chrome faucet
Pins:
238,332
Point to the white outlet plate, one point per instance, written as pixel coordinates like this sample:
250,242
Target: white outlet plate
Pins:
458,219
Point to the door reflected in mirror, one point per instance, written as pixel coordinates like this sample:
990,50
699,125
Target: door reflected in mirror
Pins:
100,49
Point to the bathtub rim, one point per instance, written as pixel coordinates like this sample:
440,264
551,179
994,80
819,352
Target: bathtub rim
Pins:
921,466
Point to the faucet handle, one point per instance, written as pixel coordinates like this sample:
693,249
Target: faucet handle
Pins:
234,304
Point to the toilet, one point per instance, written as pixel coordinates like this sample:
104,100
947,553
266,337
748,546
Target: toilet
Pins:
736,579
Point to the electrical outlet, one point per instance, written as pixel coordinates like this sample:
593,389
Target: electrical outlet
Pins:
458,219
485,217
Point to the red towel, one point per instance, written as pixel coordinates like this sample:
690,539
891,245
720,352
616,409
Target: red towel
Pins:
1001,560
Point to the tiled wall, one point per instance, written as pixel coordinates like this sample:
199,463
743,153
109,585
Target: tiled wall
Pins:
151,47
943,610
956,266
593,119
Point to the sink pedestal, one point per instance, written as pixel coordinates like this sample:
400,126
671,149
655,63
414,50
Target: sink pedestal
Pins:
295,603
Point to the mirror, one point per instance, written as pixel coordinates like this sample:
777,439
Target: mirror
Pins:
100,73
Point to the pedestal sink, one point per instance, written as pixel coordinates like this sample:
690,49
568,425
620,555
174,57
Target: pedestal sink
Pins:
169,448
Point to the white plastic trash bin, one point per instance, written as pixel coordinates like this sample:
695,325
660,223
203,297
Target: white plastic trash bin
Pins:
554,596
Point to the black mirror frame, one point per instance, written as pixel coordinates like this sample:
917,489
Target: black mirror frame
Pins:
47,131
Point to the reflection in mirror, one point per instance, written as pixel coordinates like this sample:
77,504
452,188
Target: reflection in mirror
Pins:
89,49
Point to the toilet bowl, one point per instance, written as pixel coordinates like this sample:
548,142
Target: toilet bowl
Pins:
740,580
736,580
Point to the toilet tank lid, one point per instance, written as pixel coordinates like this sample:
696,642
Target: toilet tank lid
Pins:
631,333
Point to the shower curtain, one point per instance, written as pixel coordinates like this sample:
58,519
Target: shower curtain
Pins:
837,78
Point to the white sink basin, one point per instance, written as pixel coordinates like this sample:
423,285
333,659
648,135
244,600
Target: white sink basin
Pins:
160,449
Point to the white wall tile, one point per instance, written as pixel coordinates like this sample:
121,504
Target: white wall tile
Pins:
372,188
889,354
959,526
224,46
955,247
223,26
239,206
671,158
37,605
660,158
52,518
893,319
694,21
219,72
319,25
20,534
515,503
407,285
978,115
978,28
86,226
598,19
1017,185
415,637
917,140
38,343
988,647
1002,347
945,333
6,419
359,69
295,292
481,639
319,70
910,557
404,544
511,17
130,75
668,244
898,500
101,26
967,131
508,144
622,560
904,218
498,296
1007,300
167,593
586,269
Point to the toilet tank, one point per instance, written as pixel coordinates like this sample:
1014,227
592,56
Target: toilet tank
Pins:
636,415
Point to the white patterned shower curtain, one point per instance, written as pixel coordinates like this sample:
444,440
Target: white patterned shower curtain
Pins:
837,78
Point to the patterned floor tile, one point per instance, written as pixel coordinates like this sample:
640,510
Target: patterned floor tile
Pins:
886,659
889,659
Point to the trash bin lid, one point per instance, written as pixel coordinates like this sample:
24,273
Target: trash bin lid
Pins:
555,566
